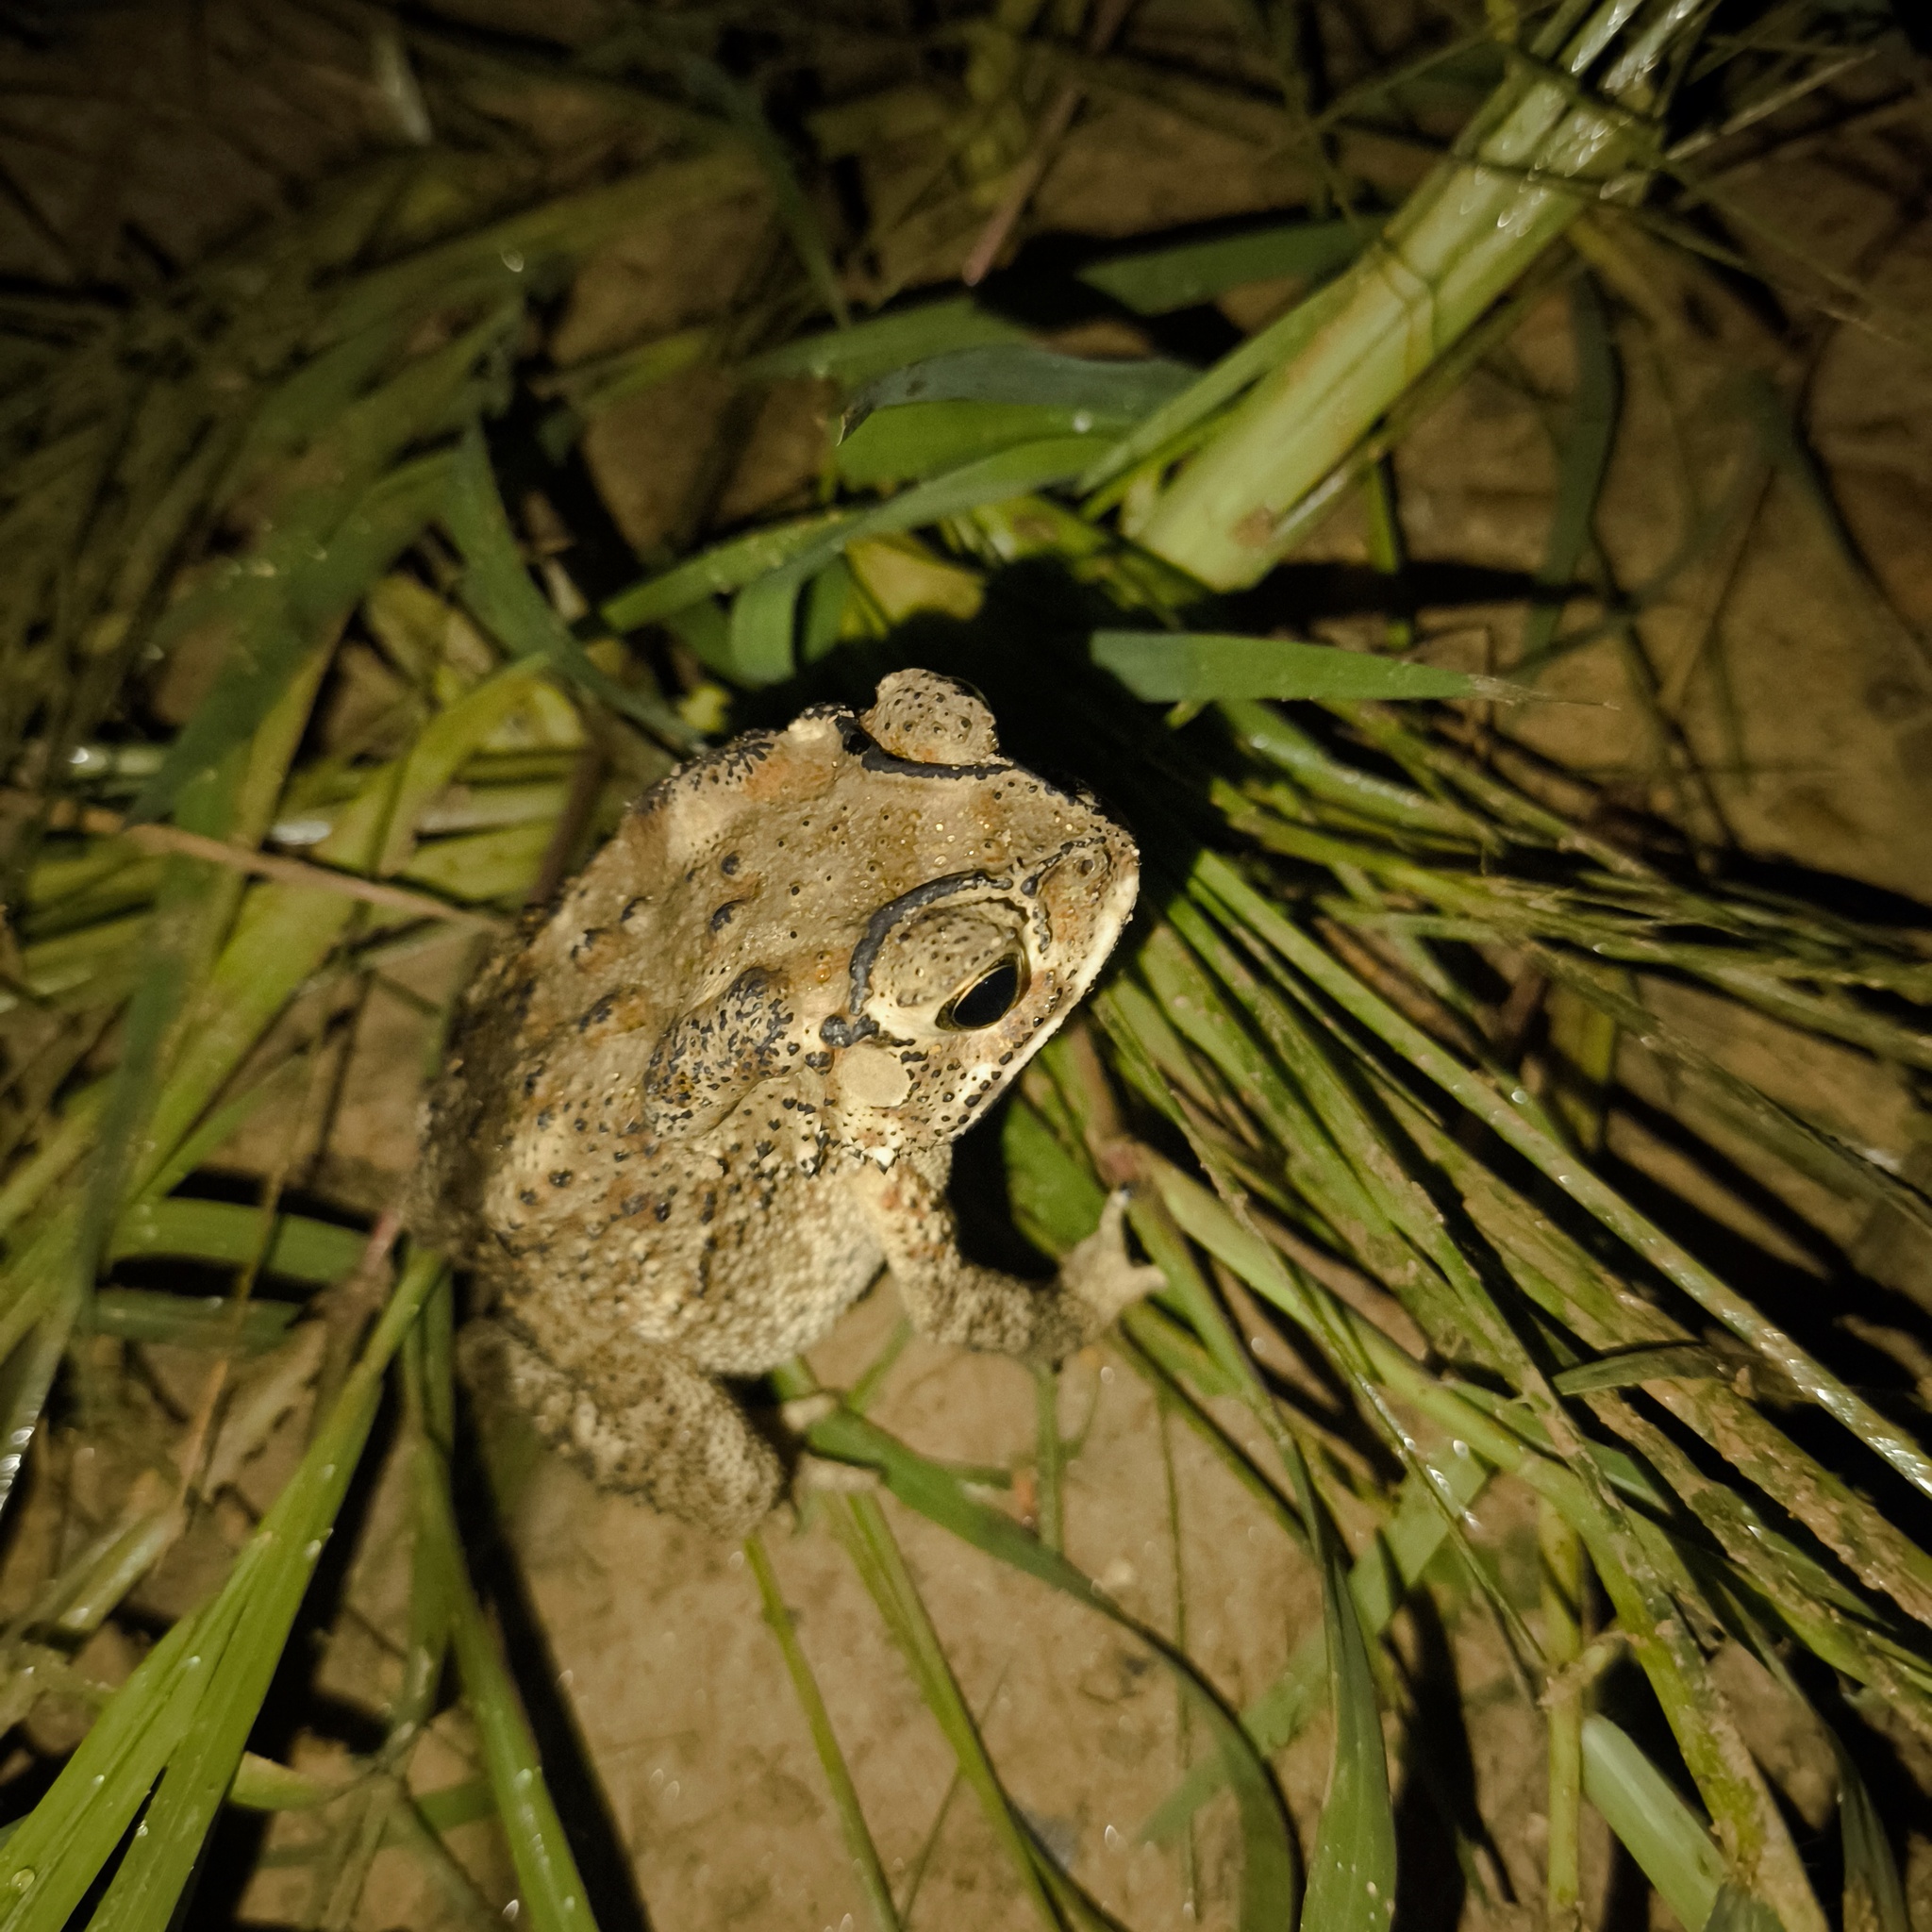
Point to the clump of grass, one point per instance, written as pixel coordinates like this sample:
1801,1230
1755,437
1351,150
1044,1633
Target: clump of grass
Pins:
1367,1030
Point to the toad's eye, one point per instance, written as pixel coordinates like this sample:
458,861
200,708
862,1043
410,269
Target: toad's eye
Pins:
990,998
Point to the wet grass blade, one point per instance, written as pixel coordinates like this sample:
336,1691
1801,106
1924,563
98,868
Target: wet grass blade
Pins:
229,1235
1352,1868
186,1713
762,618
1158,281
1554,1161
549,1889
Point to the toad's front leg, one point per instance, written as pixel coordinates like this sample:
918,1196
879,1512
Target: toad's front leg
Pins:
954,1300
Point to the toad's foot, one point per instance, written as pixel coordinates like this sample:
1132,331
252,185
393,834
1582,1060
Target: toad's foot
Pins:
1100,1274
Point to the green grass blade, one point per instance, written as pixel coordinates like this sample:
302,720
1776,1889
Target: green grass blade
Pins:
1352,1868
385,816
1585,461
1198,667
549,1889
717,572
1658,1828
191,1703
910,441
1177,421
498,592
861,1528
763,613
1019,372
1591,1193
886,342
230,1234
1268,1868
1158,281
139,1314
858,1842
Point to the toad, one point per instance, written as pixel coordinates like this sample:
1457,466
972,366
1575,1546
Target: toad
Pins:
690,1112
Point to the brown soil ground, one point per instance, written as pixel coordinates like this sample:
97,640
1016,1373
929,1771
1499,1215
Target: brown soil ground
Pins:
1804,698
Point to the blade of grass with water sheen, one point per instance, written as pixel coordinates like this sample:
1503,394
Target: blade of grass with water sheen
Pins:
143,1314
884,343
549,1889
717,572
229,1235
1158,281
1352,1868
1225,886
190,1704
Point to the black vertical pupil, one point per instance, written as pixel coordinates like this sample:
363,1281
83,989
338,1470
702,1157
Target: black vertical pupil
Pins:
987,999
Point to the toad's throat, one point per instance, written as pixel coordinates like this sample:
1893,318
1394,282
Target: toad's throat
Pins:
854,1023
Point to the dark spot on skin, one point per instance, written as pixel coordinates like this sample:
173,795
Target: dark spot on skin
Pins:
544,1118
599,1013
662,1211
636,1204
722,917
708,1210
586,940
561,1178
728,865
630,907
581,1124
528,1197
